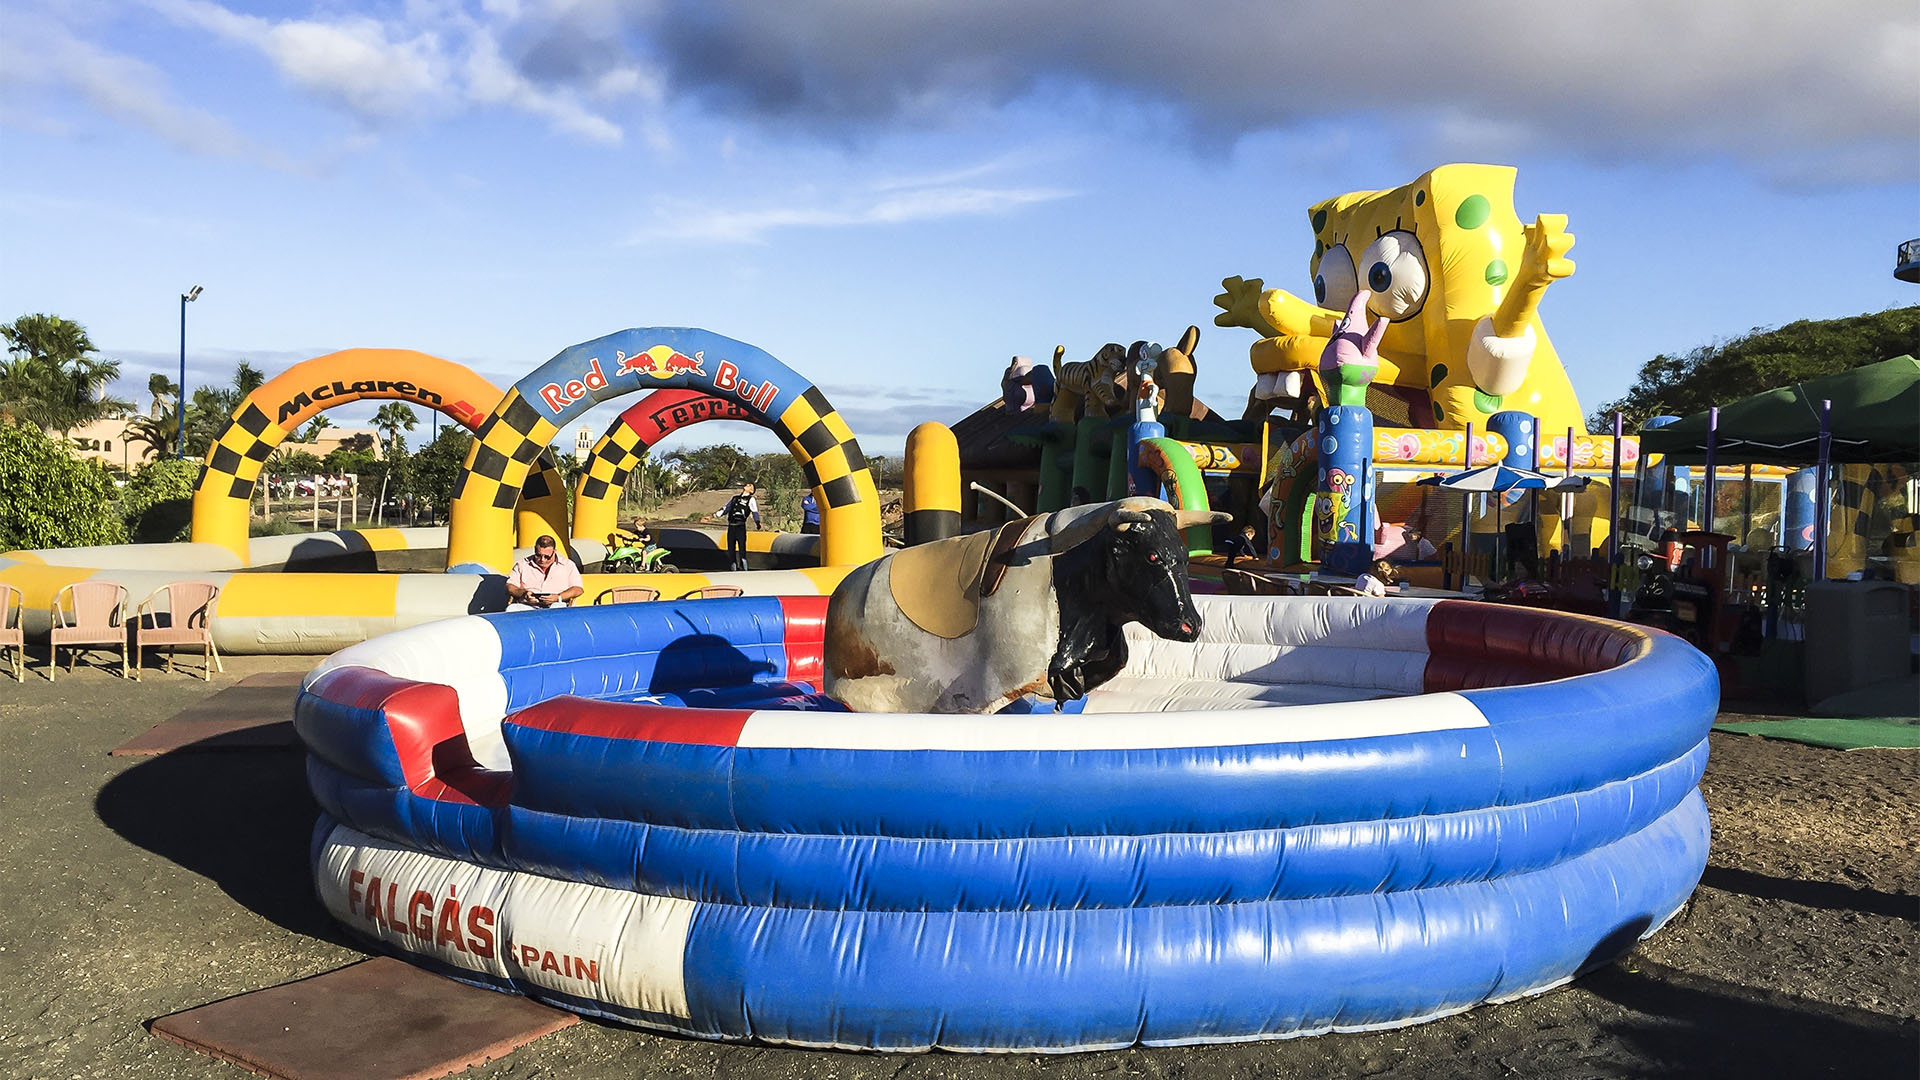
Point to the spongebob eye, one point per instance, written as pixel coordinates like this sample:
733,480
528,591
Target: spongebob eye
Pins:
1396,270
1334,282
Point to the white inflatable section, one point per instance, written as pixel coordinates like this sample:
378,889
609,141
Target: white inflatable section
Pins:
1254,653
159,557
1108,731
624,948
463,653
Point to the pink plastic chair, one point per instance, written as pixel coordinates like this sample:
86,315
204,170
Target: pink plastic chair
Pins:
714,592
11,636
89,613
627,594
189,607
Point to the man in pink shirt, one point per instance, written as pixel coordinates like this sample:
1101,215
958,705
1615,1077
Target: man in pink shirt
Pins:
543,579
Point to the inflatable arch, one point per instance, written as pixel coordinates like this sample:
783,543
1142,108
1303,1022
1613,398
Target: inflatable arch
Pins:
596,499
222,498
581,377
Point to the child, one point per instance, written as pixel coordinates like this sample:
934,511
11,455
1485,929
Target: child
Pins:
1242,546
1375,581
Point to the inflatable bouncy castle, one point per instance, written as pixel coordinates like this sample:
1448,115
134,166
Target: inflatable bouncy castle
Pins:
1322,814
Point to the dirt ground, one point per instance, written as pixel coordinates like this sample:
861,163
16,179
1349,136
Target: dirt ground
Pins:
131,888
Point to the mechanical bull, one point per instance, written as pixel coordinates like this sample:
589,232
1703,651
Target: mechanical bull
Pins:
969,624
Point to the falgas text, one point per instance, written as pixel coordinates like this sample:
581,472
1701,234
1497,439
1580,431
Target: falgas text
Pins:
444,922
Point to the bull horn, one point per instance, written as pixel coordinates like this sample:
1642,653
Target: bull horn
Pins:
1187,519
1082,530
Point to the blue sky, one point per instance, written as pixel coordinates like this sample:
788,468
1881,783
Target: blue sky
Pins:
894,198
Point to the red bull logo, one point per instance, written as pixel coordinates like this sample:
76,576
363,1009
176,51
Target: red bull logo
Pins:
661,362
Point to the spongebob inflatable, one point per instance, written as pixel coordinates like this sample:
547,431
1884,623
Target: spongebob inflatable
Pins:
1459,280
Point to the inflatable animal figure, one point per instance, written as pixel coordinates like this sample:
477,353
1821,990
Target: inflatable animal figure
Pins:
1439,255
1095,385
969,624
1024,385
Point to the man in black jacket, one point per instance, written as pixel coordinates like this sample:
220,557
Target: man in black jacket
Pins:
738,510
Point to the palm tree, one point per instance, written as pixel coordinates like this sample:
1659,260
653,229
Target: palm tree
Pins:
393,418
162,390
157,432
51,378
312,434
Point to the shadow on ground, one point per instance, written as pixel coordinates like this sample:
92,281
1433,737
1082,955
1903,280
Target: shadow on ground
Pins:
244,820
1822,894
1695,1025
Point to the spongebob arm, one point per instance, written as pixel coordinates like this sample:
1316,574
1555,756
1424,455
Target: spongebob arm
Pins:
1543,262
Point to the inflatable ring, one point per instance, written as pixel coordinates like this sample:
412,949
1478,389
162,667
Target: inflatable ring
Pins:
1326,814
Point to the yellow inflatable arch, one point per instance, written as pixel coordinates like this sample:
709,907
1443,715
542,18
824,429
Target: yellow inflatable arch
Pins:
222,498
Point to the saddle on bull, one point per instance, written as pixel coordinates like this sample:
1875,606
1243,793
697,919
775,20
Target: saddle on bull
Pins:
1037,606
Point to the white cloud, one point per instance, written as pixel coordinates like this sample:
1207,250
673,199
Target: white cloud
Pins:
1797,92
375,71
886,205
37,52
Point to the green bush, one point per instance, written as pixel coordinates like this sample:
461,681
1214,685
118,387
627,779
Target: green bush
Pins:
50,499
157,504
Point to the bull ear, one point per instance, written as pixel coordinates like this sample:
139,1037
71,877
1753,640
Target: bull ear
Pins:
1187,519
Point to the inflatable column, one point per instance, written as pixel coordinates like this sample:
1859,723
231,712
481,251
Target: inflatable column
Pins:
1343,506
1146,420
932,496
1522,432
1798,514
1089,471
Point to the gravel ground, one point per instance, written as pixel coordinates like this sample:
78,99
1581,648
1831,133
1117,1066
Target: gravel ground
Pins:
131,888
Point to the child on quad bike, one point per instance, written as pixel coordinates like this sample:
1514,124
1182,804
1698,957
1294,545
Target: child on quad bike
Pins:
635,552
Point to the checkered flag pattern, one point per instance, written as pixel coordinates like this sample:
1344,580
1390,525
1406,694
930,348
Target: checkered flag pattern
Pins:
515,433
820,440
612,459
243,444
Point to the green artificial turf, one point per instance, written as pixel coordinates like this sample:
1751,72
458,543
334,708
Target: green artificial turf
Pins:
1835,732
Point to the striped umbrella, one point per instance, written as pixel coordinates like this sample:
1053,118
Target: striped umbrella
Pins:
1504,478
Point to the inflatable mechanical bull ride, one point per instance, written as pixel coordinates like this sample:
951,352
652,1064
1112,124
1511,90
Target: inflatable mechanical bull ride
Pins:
1037,606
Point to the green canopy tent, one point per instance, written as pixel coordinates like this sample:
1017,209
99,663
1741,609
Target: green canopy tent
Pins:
1875,417
1869,414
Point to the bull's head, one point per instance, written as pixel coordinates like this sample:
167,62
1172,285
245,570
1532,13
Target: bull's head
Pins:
1141,562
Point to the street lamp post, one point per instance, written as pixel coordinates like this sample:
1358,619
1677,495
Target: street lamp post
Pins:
180,399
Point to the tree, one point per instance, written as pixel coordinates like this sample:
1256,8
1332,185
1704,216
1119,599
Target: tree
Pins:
157,503
213,406
438,465
52,499
51,377
158,432
722,465
163,391
312,433
393,418
1761,360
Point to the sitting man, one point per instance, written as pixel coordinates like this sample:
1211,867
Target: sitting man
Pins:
543,579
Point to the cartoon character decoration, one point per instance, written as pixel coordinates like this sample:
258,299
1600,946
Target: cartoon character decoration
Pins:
1024,385
1330,522
1446,261
1352,356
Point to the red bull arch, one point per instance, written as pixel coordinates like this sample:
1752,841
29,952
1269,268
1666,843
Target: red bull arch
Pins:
685,358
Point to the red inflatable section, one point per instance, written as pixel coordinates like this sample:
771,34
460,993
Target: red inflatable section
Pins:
1474,645
664,412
